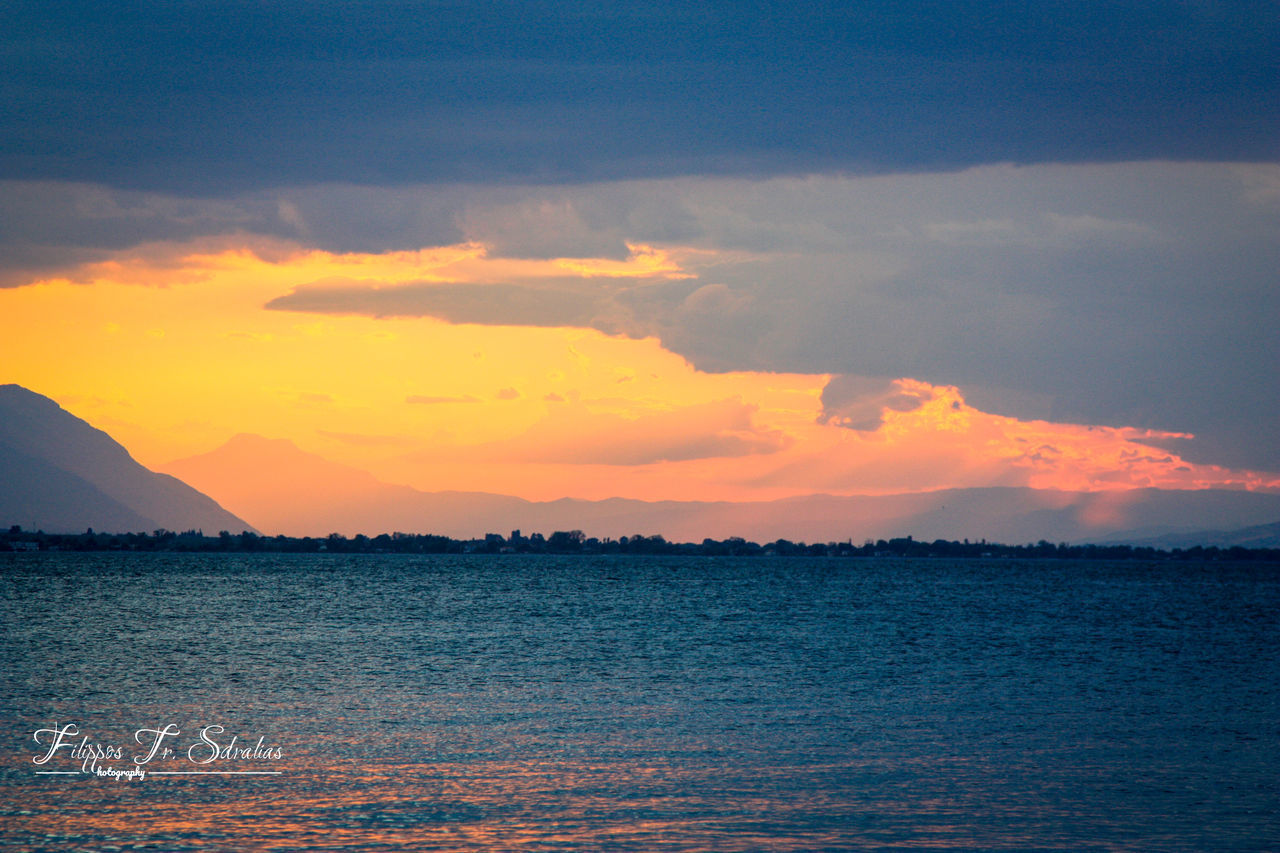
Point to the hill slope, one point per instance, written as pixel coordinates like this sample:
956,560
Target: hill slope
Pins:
63,475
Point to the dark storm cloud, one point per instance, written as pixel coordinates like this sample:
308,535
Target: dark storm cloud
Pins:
227,97
1126,294
860,402
571,302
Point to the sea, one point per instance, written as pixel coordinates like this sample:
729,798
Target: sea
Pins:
178,702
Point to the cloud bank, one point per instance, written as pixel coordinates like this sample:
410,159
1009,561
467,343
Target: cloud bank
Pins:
232,97
1128,294
1136,294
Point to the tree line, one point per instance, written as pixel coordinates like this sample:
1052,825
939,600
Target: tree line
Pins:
575,542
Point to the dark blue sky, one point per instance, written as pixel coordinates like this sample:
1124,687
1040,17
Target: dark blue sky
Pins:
221,97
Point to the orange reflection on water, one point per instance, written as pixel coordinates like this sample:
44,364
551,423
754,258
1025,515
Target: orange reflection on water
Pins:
485,805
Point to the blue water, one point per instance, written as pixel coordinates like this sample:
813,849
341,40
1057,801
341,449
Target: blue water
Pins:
531,703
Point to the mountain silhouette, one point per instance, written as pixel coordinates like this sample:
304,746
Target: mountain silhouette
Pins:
59,474
283,489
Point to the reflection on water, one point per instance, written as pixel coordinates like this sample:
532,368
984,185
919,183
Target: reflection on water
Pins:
648,704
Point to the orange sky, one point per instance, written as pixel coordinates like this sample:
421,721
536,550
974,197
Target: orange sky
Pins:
169,349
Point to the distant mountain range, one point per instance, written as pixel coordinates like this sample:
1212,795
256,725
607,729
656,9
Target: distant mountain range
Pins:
1258,536
283,489
59,474
286,490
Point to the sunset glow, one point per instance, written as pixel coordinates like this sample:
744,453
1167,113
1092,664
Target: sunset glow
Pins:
680,426
171,349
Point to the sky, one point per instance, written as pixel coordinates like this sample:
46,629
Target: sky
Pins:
660,250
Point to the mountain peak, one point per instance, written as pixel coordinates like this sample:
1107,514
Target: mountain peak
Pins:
16,395
255,449
254,475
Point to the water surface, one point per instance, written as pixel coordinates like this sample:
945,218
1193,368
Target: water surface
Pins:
541,703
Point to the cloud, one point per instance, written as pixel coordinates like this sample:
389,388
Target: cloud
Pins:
1127,294
562,291
572,434
927,437
860,402
55,229
493,304
235,97
905,434
1137,294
